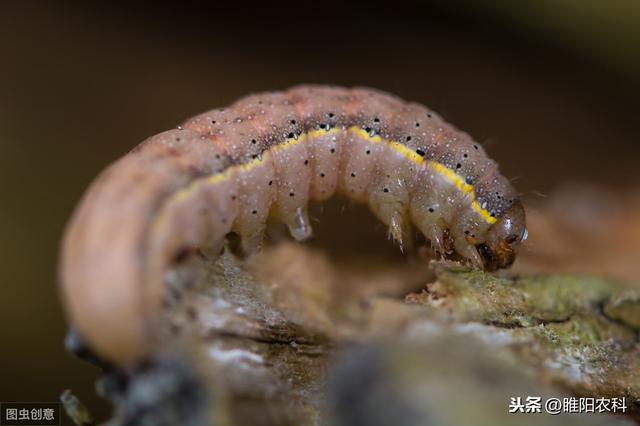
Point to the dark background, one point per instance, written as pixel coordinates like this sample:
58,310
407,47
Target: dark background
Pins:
550,87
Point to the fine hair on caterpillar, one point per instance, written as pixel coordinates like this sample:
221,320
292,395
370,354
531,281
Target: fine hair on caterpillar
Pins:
228,170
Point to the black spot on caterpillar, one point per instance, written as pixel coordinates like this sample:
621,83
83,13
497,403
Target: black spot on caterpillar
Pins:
222,172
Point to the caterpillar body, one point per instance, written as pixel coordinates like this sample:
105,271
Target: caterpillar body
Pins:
227,170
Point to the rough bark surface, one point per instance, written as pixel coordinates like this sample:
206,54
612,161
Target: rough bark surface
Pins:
292,337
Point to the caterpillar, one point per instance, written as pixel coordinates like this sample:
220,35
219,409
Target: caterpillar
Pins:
227,170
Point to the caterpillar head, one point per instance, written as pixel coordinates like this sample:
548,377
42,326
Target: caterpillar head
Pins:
503,239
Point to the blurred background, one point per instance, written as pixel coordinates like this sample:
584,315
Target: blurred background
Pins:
551,88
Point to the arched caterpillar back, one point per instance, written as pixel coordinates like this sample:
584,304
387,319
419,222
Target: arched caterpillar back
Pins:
228,169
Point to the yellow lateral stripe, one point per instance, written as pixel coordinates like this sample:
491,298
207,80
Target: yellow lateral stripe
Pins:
441,169
253,163
457,180
219,177
364,135
322,132
406,152
288,143
452,177
482,212
185,192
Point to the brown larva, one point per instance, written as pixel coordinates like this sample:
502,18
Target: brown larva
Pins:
225,170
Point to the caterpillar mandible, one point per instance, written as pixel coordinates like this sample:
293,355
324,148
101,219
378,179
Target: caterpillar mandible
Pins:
225,171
